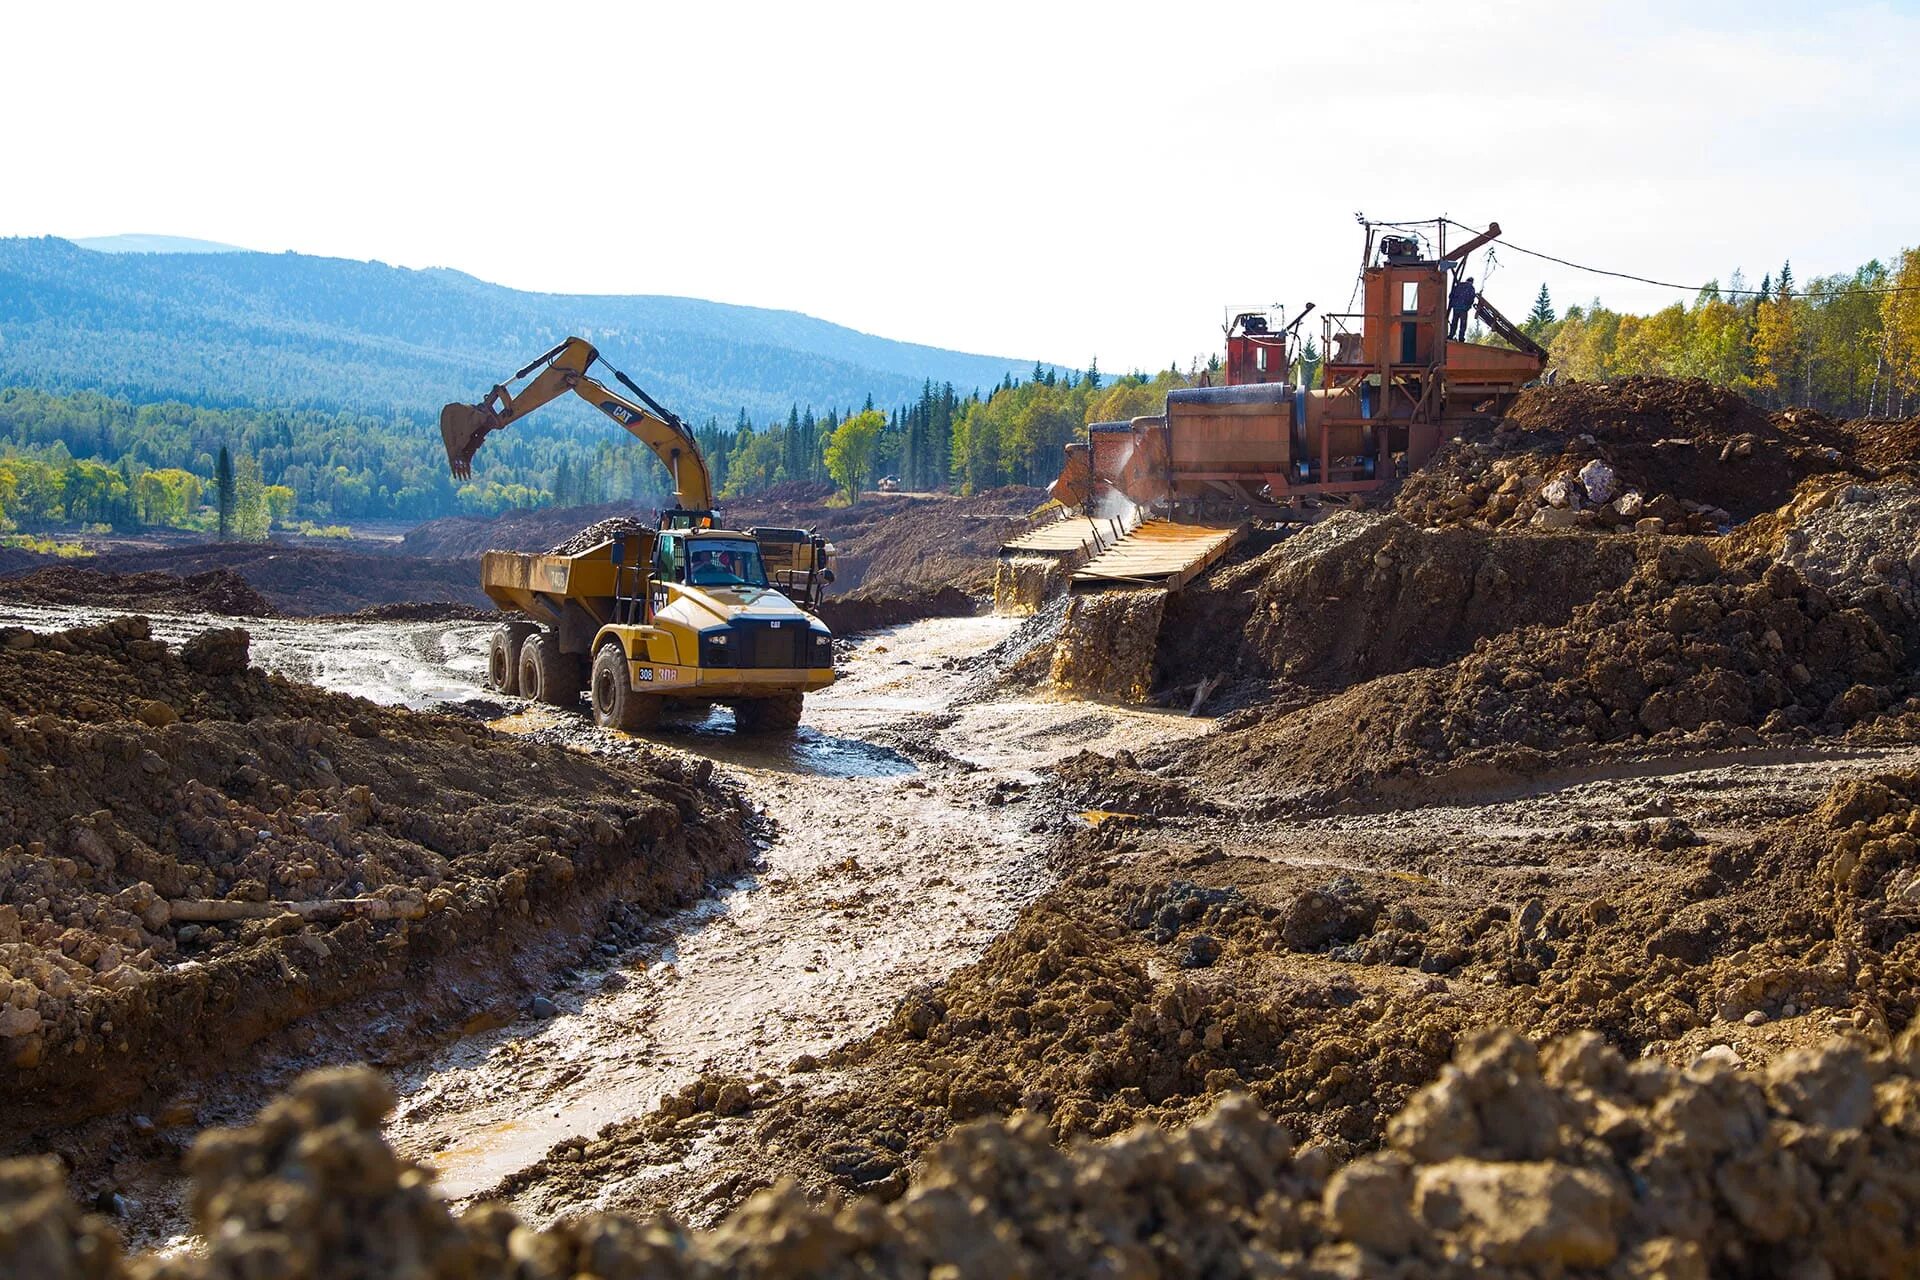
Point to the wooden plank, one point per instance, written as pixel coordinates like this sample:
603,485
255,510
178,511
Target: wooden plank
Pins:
1159,553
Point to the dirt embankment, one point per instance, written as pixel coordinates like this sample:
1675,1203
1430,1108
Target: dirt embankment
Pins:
194,854
247,579
217,591
1686,655
1516,1161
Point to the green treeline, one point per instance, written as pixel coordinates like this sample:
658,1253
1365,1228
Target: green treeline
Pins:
1015,434
1845,344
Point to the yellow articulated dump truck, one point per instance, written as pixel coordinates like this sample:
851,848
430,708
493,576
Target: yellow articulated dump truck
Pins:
688,613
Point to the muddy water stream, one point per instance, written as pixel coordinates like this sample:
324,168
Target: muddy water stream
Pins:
902,842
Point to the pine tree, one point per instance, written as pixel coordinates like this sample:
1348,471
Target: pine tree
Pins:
1093,374
1786,280
1542,314
223,488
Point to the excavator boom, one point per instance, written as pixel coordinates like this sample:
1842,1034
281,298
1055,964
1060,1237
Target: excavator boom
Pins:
463,427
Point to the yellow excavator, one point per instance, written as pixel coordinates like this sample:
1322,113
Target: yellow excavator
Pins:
688,613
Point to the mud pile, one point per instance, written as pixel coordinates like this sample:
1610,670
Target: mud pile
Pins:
1358,596
1683,655
1567,1160
1350,598
217,591
194,854
1654,455
1164,975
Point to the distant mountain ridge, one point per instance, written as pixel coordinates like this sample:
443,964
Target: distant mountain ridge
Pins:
233,328
140,242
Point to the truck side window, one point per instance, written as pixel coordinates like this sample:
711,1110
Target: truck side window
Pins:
669,561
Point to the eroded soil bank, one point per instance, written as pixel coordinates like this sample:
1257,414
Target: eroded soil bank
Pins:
197,857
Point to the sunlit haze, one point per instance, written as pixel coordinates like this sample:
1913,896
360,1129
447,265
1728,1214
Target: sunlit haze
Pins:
1062,182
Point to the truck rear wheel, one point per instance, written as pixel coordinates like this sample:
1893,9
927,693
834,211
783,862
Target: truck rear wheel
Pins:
616,704
503,655
546,674
778,714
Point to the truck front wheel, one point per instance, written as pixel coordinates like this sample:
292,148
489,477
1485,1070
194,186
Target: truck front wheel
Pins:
778,714
616,704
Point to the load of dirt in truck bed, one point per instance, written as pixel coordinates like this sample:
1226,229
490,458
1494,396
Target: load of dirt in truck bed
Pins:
194,854
219,591
1646,454
893,546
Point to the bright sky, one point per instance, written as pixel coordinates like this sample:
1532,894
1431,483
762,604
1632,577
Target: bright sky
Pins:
1052,180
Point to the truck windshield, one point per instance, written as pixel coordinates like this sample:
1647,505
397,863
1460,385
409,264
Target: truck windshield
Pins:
724,562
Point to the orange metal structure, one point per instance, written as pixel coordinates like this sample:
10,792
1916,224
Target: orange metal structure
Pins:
1391,387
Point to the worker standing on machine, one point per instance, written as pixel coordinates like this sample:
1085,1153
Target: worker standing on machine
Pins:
1458,302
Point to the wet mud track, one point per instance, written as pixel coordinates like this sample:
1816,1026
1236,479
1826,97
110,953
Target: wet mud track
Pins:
906,834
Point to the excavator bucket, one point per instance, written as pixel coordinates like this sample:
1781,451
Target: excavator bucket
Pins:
462,428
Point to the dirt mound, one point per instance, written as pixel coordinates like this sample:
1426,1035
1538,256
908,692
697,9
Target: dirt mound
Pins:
304,580
1358,596
194,854
1682,655
1567,1160
1885,445
1690,455
598,532
218,591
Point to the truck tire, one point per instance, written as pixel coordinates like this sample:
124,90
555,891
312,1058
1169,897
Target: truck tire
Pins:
503,655
546,674
778,714
616,704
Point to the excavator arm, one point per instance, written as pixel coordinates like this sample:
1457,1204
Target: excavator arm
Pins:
463,427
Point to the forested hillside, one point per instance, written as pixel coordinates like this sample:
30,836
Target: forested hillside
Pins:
288,330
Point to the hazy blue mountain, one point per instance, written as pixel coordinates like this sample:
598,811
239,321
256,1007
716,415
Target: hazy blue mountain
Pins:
135,242
236,328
